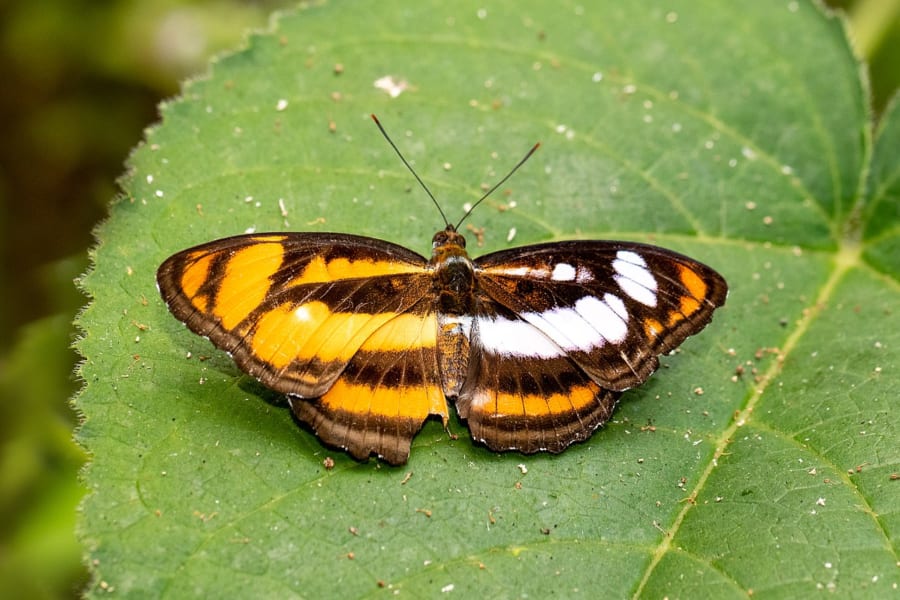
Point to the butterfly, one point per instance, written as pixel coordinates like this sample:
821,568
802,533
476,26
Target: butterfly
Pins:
368,339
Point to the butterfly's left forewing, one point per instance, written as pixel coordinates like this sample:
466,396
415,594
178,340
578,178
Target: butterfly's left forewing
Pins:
612,307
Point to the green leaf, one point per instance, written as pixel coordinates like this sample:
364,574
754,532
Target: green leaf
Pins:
762,459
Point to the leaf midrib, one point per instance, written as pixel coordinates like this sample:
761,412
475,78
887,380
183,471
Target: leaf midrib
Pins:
849,257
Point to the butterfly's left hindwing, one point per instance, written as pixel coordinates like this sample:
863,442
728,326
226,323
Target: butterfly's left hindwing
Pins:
529,396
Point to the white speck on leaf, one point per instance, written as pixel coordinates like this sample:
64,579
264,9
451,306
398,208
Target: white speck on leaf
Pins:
393,87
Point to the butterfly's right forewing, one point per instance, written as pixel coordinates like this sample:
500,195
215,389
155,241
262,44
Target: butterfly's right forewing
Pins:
292,309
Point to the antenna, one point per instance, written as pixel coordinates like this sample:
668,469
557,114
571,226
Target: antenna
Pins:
430,195
499,183
411,170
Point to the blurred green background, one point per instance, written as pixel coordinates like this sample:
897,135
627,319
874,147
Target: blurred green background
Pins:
81,80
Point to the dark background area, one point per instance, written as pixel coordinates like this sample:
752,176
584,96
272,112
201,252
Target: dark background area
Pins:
81,80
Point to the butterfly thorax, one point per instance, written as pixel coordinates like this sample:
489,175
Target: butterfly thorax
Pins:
454,273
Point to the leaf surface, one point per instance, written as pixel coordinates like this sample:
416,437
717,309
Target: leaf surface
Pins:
762,459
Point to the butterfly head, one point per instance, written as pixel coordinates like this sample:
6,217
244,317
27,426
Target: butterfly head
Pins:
447,237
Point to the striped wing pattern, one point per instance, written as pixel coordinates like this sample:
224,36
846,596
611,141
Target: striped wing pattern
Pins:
357,333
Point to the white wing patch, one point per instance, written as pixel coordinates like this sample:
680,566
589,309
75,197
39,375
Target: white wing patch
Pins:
616,304
590,324
499,335
604,318
567,327
584,275
563,272
634,277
